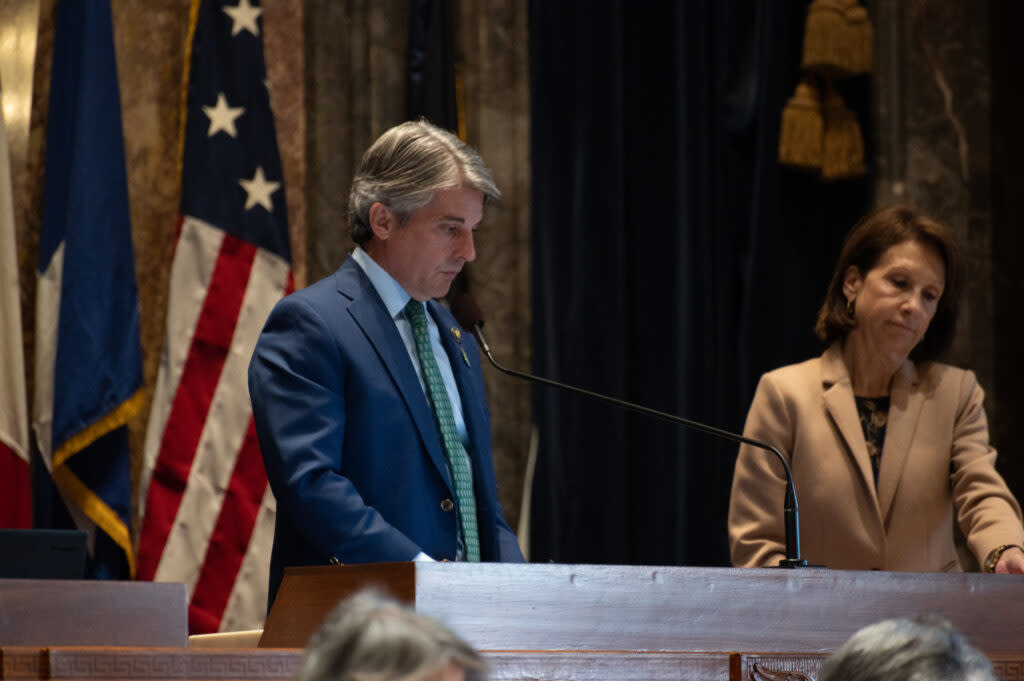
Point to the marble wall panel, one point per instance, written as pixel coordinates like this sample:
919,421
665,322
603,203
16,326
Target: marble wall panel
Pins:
933,121
150,41
21,43
28,185
492,51
935,63
948,142
284,37
355,86
19,29
933,113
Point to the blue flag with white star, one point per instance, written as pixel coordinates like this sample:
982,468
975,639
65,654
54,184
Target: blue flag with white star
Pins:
88,354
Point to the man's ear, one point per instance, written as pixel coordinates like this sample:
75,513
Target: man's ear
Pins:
382,221
853,281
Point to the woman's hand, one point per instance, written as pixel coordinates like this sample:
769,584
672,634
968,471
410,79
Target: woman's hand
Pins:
1011,562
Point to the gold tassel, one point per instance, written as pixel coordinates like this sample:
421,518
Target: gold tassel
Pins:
842,143
800,136
862,38
827,39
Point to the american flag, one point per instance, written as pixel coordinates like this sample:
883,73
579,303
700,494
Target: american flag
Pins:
207,511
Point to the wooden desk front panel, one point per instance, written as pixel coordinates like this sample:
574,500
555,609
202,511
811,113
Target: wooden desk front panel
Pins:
268,664
807,667
607,666
148,664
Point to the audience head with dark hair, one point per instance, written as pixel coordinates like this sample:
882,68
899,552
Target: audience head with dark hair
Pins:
370,637
924,649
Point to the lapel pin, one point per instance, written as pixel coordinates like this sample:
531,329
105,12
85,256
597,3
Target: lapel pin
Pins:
458,334
465,358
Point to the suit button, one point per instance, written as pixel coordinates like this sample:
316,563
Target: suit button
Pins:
447,505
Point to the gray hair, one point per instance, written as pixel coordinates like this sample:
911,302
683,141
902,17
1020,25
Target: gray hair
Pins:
925,649
405,166
368,637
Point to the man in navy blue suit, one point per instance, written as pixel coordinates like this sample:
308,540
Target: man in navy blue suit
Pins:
361,456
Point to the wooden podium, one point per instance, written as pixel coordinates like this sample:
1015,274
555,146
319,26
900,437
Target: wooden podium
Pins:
551,607
539,622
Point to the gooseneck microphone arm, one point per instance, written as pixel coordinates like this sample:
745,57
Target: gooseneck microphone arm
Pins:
468,315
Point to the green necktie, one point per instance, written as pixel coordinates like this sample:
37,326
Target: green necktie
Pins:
458,460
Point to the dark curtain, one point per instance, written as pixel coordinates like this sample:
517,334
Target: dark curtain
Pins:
674,261
430,65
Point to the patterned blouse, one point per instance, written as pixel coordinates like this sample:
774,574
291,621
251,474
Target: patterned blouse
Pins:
874,415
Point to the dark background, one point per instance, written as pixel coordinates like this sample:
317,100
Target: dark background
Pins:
675,260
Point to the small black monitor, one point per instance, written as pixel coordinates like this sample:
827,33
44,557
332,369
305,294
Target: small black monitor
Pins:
42,554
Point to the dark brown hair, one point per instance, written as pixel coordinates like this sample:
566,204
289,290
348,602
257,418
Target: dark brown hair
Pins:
876,233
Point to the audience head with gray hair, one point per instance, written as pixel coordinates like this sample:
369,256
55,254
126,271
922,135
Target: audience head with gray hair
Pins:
924,649
369,637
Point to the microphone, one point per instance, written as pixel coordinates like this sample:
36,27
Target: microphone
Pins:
469,316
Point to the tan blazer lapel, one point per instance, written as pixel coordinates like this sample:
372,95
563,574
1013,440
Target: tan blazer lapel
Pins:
905,404
838,396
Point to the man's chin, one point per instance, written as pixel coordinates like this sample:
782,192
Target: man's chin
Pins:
444,288
440,292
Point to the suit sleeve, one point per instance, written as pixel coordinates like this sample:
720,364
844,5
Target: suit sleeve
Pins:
988,513
508,543
757,535
296,379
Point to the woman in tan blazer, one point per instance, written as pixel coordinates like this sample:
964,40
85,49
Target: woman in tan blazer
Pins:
888,447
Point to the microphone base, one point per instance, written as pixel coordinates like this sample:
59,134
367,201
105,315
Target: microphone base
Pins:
793,563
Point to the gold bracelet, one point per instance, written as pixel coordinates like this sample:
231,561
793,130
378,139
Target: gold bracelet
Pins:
994,556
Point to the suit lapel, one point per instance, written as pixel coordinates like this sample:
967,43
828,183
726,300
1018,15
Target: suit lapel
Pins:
905,406
840,404
369,312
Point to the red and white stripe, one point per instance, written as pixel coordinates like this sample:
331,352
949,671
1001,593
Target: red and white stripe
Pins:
15,494
207,512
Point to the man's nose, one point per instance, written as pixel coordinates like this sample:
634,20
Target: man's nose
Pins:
466,250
